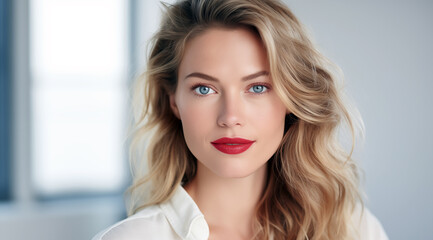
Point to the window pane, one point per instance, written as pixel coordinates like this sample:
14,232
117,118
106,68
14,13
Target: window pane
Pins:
78,70
72,38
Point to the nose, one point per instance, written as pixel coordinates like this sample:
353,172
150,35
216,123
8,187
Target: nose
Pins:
231,111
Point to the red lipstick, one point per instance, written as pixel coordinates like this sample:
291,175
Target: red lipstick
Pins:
232,145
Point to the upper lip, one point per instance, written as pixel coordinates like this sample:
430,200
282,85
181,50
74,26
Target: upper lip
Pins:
226,140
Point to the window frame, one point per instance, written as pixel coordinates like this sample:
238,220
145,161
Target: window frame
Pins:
5,100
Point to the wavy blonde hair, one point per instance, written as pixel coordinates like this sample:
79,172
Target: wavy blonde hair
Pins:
312,185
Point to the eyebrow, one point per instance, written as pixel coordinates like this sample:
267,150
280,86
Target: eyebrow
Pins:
210,78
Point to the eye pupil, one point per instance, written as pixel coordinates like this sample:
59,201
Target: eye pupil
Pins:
203,90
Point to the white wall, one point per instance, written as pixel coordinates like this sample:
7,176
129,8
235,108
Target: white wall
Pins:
60,219
385,50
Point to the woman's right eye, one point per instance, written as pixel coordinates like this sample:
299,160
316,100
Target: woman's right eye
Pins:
203,90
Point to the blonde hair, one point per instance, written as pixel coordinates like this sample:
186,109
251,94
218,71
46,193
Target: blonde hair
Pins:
312,184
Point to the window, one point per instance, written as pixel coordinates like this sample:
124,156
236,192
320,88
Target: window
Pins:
78,70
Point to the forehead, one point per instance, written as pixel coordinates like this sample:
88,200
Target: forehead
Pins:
224,49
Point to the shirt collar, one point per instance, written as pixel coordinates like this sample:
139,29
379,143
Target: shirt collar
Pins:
184,216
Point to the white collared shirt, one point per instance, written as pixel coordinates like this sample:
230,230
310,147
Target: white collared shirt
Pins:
180,218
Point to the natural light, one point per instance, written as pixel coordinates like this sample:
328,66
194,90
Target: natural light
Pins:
78,64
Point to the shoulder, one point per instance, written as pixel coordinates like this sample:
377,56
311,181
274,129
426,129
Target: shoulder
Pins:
367,225
149,222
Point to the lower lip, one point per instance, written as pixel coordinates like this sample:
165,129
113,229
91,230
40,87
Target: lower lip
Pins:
232,149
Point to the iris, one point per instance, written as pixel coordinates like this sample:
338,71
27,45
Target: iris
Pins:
203,90
258,89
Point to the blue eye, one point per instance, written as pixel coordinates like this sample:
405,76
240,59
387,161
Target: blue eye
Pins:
203,90
258,89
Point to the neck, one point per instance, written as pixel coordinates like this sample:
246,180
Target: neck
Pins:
228,204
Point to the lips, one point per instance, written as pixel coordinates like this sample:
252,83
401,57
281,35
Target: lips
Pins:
232,145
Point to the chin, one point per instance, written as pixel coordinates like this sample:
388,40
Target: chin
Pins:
236,171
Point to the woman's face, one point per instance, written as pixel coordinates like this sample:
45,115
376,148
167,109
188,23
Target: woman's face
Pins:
232,119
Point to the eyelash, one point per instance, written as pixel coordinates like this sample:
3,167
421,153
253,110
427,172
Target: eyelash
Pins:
195,86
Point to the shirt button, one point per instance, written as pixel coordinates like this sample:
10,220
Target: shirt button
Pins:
199,228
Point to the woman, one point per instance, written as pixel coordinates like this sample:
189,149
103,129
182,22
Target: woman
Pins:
243,114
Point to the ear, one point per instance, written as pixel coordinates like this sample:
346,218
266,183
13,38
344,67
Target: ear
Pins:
173,105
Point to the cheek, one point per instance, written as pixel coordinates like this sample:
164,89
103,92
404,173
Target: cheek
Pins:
270,115
269,122
196,120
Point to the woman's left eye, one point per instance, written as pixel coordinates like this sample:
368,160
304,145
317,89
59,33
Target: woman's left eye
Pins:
258,89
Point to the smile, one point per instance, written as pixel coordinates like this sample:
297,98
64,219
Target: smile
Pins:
232,145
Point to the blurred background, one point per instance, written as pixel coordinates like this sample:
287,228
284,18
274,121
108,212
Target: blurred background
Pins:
65,71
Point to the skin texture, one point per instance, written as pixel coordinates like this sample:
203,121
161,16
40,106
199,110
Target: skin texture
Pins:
224,90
